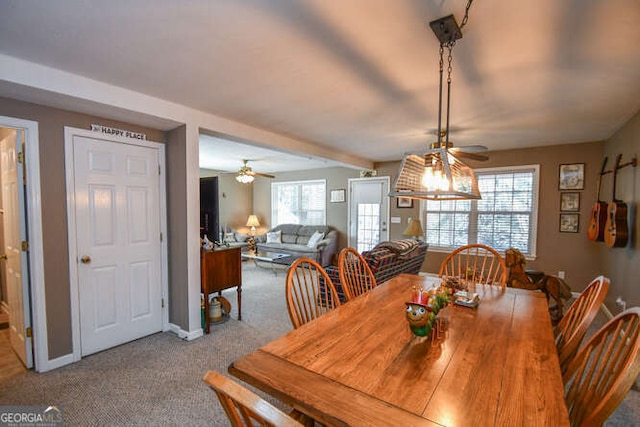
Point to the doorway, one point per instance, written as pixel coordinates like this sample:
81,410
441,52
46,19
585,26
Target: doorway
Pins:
14,274
23,293
368,212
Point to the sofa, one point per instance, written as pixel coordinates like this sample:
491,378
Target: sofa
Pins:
234,238
318,242
387,260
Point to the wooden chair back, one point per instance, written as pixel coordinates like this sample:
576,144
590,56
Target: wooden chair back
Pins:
476,262
574,324
309,291
356,276
602,372
243,407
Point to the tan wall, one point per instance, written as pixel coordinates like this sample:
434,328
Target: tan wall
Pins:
235,200
177,226
622,265
51,123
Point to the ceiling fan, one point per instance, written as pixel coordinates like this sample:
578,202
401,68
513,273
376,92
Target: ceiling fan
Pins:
472,152
247,175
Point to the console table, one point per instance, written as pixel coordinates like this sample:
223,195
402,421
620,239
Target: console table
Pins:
220,269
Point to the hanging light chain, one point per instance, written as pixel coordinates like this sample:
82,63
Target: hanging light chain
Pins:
449,59
466,14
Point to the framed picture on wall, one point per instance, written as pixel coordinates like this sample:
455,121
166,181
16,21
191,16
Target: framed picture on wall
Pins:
337,196
570,202
571,177
569,222
404,202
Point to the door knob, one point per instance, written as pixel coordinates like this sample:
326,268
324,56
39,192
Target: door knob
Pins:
4,256
85,259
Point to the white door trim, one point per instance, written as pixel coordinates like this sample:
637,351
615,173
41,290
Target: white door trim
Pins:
69,133
34,229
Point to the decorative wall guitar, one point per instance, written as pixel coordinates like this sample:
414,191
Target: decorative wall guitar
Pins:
598,218
616,228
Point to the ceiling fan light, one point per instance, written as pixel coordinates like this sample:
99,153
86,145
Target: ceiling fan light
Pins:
244,179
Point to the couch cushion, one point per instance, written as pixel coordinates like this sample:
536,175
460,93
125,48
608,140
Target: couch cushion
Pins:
313,240
274,237
305,232
289,232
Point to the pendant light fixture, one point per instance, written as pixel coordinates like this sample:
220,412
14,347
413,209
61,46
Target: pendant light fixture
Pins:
438,173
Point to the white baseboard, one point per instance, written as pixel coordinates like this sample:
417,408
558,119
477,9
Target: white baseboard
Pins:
58,362
182,334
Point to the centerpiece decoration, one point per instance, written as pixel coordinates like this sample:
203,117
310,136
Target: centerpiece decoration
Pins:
422,310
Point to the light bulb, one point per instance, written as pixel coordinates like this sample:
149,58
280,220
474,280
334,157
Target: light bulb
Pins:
428,179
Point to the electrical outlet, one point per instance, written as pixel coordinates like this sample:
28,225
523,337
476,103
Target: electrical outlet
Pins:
561,274
621,303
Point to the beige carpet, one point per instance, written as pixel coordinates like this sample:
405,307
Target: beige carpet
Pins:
157,380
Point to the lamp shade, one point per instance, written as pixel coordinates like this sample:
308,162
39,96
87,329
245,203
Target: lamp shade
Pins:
414,229
253,221
461,183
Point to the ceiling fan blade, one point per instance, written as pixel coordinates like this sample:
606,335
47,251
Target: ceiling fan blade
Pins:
469,148
266,175
472,156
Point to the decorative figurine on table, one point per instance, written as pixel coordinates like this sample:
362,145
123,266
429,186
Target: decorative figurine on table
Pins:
423,309
419,313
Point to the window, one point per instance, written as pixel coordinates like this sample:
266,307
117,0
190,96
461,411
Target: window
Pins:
299,202
368,226
505,217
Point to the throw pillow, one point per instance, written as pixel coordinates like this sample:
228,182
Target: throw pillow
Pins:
274,237
314,239
229,237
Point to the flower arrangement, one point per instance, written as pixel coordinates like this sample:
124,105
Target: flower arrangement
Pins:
423,308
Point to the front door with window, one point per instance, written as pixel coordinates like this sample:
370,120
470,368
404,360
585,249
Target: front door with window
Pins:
368,212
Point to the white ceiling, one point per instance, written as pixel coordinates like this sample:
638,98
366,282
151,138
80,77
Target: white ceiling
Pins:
357,76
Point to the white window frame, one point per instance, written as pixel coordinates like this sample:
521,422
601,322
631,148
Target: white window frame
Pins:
274,204
473,211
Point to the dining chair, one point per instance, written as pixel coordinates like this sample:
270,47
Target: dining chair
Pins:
356,277
309,291
604,369
476,262
574,324
243,407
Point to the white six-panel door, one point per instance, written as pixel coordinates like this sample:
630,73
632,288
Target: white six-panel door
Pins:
117,216
15,258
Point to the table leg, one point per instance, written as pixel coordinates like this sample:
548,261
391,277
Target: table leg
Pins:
239,291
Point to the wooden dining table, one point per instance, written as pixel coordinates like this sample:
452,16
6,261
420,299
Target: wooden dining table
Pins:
360,365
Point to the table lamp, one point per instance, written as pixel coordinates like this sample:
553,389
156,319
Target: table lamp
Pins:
253,223
414,229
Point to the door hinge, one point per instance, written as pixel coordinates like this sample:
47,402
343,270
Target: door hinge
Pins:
21,158
159,173
162,302
161,237
24,246
29,332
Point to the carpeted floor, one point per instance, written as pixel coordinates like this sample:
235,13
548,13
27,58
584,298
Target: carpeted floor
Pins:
157,380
